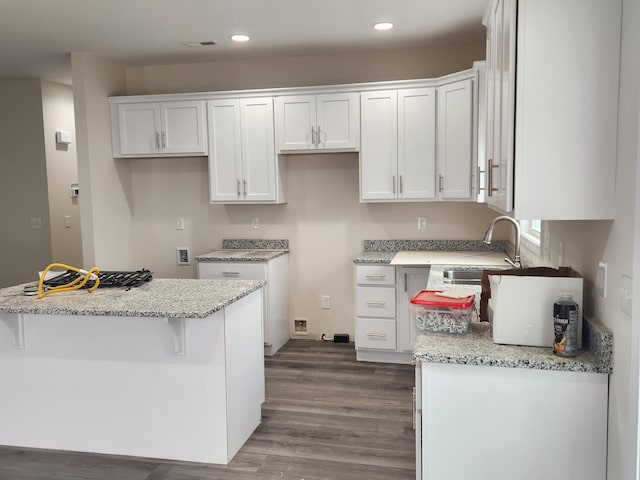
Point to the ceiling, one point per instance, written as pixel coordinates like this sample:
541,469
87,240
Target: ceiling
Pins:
37,36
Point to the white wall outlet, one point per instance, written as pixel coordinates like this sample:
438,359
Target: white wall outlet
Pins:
300,326
326,302
183,256
255,223
179,223
422,223
36,223
601,279
626,294
67,221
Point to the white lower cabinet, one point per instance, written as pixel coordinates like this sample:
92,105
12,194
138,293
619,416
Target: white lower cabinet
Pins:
276,293
496,423
385,331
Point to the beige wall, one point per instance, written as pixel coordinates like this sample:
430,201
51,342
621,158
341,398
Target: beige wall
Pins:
62,170
23,183
323,220
105,183
408,63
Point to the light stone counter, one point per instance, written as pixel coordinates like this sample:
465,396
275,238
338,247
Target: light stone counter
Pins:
166,298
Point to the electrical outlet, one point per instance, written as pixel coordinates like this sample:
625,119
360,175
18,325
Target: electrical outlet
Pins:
67,221
326,302
422,223
179,223
255,223
36,223
601,279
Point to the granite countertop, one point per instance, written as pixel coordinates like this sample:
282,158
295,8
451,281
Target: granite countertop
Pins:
246,250
166,298
477,348
426,252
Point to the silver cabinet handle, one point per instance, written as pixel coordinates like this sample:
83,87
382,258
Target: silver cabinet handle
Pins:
378,304
405,282
479,188
230,274
157,141
238,187
489,174
376,276
164,140
313,135
318,139
440,182
244,185
394,183
413,395
401,184
377,335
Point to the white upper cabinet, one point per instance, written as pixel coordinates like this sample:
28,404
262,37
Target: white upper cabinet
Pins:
243,167
317,122
455,140
173,128
552,107
397,155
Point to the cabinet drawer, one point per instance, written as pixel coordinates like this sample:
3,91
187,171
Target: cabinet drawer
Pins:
376,302
376,333
375,275
232,271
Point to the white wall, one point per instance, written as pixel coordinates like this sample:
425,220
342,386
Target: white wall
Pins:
23,183
62,170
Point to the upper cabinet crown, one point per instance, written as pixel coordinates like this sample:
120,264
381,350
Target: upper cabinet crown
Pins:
552,106
147,129
323,122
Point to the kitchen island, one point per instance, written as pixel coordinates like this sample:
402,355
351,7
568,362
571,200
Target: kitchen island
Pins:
172,369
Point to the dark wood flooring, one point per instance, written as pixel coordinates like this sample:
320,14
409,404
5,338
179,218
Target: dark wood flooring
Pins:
326,417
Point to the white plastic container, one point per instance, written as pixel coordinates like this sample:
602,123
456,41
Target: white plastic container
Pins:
435,313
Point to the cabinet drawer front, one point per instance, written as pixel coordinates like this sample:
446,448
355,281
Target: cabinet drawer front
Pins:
376,333
232,271
376,302
375,275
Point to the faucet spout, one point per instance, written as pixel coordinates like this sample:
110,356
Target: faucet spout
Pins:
489,234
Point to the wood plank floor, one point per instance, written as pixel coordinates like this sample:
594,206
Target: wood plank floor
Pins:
326,417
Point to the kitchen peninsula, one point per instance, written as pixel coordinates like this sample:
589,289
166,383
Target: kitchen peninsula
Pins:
172,369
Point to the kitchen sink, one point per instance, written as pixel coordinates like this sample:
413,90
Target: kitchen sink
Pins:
468,277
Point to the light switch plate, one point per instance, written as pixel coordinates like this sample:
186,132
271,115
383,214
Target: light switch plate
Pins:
422,223
601,280
626,294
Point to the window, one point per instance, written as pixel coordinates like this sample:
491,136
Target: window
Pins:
532,235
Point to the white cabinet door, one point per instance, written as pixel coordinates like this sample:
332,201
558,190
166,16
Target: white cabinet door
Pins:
318,122
482,422
455,134
410,281
417,143
139,127
159,129
258,149
225,150
183,128
379,149
296,117
242,158
337,116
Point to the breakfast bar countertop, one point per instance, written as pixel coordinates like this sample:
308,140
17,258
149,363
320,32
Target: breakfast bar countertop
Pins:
166,298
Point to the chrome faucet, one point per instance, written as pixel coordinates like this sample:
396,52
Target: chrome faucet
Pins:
487,239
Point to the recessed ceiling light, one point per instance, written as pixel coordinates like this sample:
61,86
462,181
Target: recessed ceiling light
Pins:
383,26
238,37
